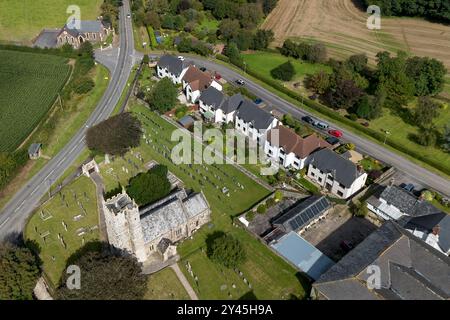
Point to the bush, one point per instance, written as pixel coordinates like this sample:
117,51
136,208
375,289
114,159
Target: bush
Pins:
278,195
270,202
261,209
360,209
83,85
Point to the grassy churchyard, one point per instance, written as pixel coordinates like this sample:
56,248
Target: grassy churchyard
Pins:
21,21
62,225
164,285
266,274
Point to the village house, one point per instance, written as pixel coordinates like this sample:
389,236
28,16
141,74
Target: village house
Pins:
195,82
291,150
418,216
335,174
172,67
216,107
408,269
154,230
254,122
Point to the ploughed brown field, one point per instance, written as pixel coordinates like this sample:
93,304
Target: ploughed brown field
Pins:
341,24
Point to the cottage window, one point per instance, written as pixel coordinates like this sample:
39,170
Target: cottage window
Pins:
340,193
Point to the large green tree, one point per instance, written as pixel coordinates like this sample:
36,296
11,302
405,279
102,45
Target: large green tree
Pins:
428,75
227,251
426,111
105,276
115,135
19,272
163,95
149,186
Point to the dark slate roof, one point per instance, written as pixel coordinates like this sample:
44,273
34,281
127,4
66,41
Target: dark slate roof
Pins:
407,202
250,112
47,39
186,121
34,148
232,103
212,97
410,269
429,222
303,213
343,170
173,64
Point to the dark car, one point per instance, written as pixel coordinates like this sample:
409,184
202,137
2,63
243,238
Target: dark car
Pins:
308,119
258,101
203,69
240,82
332,140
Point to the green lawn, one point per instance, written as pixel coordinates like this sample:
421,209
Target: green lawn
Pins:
270,276
264,62
48,220
208,24
164,285
21,21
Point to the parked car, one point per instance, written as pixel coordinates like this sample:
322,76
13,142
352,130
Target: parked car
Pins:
321,125
333,140
336,133
258,101
308,119
240,82
203,69
181,58
218,76
409,187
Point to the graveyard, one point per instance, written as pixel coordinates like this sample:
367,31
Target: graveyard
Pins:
64,224
164,285
229,192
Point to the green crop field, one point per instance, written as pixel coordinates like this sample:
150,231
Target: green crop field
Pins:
21,21
29,84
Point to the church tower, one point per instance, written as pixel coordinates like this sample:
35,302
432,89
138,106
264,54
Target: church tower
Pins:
123,225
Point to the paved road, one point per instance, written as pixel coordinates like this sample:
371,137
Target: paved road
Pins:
427,178
16,212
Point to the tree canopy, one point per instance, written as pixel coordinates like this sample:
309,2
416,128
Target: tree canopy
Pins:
19,272
115,135
149,186
162,96
105,276
227,251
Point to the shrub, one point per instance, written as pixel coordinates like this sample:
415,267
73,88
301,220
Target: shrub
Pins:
261,209
278,195
270,202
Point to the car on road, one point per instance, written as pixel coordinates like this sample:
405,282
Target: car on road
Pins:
321,125
128,16
240,82
333,140
181,58
308,119
336,133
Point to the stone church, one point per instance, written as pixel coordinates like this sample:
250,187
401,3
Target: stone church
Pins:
156,228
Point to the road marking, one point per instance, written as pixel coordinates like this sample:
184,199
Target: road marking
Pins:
4,222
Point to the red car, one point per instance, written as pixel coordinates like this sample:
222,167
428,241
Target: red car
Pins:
336,133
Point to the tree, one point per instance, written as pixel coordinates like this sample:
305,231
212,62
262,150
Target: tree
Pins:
244,40
250,14
106,276
19,272
163,95
363,109
425,112
317,53
284,72
360,209
150,186
229,29
358,62
261,209
227,251
86,50
344,94
262,39
318,82
428,75
115,135
278,196
232,52
427,136
152,19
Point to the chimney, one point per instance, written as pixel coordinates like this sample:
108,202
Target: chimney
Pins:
436,230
